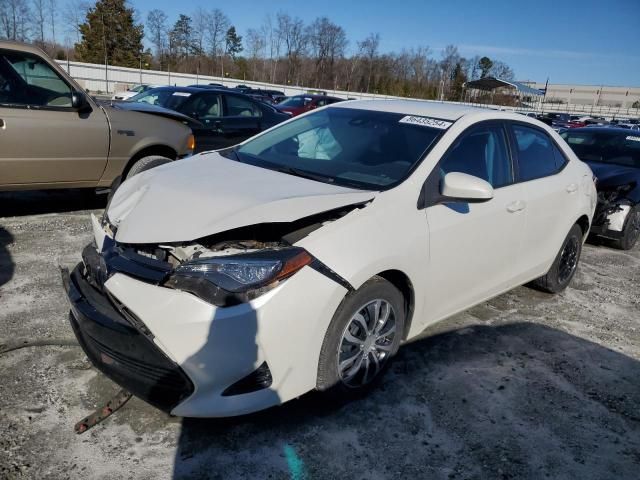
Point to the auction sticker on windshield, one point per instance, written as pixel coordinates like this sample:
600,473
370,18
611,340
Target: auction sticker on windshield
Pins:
426,122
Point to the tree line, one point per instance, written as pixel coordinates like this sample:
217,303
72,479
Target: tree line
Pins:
284,49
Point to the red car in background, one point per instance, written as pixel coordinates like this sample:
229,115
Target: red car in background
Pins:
303,103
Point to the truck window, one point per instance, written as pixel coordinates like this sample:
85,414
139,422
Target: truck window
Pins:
26,79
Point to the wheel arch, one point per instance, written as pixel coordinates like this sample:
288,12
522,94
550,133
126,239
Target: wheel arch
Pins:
402,282
162,150
583,222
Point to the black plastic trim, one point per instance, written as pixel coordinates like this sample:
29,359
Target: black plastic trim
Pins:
119,349
320,267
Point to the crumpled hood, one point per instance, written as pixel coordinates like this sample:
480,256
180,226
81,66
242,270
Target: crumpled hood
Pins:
207,194
610,175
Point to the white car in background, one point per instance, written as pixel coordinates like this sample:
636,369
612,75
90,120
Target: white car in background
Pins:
301,259
133,91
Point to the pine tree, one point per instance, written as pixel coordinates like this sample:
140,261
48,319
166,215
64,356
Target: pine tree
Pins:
110,34
233,42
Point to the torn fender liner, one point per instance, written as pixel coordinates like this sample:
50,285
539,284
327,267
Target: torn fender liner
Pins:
208,194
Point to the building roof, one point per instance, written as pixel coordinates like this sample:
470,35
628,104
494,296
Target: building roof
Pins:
491,83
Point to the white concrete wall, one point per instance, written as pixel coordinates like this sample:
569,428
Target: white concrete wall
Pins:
94,78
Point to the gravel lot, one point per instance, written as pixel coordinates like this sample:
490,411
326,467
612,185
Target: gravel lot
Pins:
526,385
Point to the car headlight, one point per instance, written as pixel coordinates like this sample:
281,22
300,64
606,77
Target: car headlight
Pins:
233,279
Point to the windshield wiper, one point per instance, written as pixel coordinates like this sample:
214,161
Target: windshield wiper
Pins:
304,174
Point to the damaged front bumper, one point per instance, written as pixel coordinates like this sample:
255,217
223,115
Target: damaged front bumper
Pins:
610,216
119,349
188,356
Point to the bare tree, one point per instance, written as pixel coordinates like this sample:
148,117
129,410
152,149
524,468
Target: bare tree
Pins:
14,15
218,24
255,47
274,42
291,32
75,11
53,14
368,49
157,28
328,42
40,18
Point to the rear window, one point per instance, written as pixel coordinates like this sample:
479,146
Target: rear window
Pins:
619,149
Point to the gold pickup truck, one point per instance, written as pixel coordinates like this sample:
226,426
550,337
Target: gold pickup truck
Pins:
53,135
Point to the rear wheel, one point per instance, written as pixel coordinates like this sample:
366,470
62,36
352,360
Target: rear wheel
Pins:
631,231
364,334
564,266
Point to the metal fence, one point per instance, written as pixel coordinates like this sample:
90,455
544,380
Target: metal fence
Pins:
109,79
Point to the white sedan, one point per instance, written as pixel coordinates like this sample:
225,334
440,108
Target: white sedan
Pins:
303,258
133,91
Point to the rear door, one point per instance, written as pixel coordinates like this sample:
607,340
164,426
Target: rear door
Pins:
242,118
43,140
474,246
206,107
549,192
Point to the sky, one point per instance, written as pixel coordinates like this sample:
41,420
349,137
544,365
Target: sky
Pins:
591,42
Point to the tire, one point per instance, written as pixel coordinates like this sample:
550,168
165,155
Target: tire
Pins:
564,266
631,230
382,346
146,163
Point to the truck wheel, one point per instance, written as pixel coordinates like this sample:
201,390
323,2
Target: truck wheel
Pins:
564,267
146,163
631,231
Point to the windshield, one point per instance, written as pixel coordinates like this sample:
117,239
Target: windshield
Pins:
619,149
137,88
162,97
296,102
351,147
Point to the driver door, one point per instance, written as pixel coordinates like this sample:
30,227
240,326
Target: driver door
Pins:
44,140
474,247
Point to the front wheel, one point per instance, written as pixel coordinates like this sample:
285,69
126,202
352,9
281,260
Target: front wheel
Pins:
146,163
364,334
631,231
564,266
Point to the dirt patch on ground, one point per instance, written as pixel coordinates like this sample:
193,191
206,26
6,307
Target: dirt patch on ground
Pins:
526,385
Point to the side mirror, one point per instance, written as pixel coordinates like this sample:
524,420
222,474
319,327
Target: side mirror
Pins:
467,188
79,102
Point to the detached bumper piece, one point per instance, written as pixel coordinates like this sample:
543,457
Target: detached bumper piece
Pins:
119,348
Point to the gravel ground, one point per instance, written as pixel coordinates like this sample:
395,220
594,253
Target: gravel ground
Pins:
527,385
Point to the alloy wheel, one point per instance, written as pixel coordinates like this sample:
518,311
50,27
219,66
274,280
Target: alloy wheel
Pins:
568,259
366,343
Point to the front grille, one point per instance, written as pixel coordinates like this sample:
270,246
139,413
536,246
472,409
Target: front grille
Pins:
169,377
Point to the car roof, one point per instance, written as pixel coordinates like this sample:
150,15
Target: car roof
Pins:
609,130
444,111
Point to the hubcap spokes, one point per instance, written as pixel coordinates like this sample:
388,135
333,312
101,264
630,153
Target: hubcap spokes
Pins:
366,343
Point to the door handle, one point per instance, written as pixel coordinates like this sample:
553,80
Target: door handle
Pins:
516,206
572,187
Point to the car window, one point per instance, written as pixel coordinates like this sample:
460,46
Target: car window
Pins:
26,79
482,153
351,147
598,146
163,97
536,156
205,107
241,107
